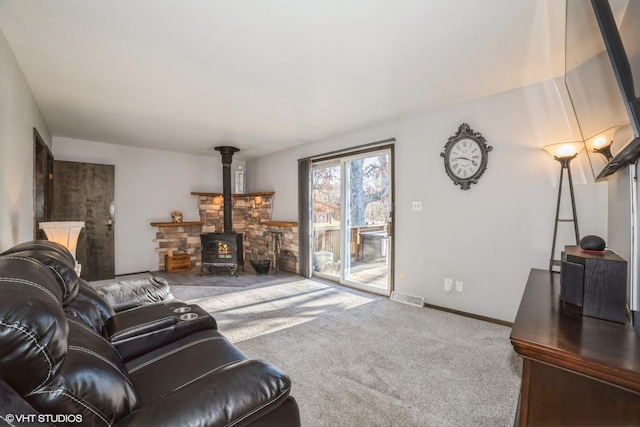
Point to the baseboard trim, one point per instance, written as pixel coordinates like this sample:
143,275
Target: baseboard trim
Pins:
471,315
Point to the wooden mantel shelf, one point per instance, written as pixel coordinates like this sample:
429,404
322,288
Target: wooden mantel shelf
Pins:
177,224
279,223
260,193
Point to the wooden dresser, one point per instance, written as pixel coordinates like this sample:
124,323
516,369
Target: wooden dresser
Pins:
577,370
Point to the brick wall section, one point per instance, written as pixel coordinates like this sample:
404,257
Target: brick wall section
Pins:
246,210
251,216
260,244
179,239
288,242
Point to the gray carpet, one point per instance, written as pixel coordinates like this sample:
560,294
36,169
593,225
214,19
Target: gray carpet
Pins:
361,360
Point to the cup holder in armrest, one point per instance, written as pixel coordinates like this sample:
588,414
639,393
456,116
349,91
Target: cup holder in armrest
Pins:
188,316
140,330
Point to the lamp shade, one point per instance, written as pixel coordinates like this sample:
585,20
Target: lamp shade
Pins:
564,150
602,139
600,142
64,232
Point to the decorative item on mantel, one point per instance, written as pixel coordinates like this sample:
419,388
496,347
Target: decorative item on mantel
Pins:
177,216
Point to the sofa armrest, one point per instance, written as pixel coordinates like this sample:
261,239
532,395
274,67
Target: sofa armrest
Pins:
124,332
236,394
142,329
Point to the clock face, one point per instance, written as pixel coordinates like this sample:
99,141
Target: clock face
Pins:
465,158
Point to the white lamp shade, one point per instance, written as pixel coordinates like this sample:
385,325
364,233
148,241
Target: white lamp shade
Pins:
564,150
603,138
64,232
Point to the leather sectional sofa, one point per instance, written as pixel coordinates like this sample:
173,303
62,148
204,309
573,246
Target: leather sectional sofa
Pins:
67,358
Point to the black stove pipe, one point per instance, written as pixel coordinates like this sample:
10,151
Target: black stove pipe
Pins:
227,155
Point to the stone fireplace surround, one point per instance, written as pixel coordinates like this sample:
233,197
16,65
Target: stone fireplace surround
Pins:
251,214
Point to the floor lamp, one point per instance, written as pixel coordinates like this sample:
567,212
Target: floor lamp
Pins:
66,233
564,153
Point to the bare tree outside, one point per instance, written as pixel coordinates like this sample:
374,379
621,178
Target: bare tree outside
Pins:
326,195
369,190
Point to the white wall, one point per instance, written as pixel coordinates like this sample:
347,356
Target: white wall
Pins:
620,229
619,224
490,236
19,114
149,185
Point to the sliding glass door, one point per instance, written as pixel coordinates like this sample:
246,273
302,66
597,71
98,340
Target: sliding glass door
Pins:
352,210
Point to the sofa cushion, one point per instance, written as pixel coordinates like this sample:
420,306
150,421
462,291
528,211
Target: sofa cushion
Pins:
155,375
91,383
33,329
56,257
127,294
83,309
208,375
103,307
237,394
46,245
58,263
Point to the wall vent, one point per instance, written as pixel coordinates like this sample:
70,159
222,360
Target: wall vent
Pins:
407,299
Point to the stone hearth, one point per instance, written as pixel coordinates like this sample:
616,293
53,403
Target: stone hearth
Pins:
251,216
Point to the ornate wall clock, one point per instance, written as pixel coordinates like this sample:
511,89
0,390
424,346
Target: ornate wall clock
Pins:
465,156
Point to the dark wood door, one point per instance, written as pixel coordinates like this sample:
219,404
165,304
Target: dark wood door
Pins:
84,192
42,185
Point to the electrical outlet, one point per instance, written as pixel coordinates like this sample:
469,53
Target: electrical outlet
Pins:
416,206
459,285
448,285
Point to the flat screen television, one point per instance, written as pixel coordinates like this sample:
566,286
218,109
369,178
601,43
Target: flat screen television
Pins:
602,63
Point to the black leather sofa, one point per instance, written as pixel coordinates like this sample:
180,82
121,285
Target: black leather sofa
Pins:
67,358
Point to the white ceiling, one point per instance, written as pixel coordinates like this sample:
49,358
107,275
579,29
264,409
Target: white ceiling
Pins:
265,75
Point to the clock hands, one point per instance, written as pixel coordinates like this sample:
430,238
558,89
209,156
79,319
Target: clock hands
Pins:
464,158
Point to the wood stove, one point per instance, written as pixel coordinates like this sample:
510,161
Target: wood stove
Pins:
223,250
